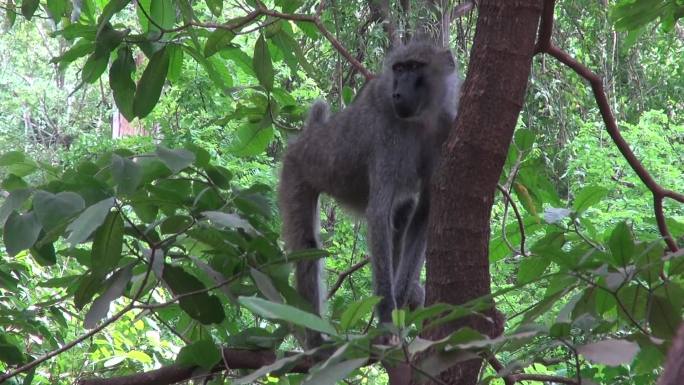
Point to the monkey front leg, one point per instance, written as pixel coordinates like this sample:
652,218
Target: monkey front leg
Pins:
380,237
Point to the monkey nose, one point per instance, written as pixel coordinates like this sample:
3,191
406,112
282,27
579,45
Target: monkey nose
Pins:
396,96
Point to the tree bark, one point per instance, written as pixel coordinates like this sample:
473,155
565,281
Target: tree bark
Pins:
474,155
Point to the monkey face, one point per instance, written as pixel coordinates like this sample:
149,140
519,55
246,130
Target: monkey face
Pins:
409,88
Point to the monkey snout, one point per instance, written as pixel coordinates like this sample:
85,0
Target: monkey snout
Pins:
404,109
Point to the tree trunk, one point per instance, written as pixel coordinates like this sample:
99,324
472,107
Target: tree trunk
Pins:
464,187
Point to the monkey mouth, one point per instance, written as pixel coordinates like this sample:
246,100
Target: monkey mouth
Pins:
405,111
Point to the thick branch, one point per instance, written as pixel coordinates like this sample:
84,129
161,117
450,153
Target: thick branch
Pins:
234,358
544,45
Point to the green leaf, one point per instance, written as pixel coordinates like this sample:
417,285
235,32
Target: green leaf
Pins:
80,229
176,160
123,87
222,79
588,197
292,52
151,83
347,95
112,8
10,14
87,287
524,139
44,255
17,163
621,244
29,7
215,6
356,311
203,353
175,224
240,58
53,209
175,62
262,63
116,285
220,176
163,12
108,244
94,66
201,306
331,374
81,48
665,310
126,174
10,354
217,40
21,232
56,9
229,220
252,138
287,313
531,268
289,6
13,202
74,30
265,285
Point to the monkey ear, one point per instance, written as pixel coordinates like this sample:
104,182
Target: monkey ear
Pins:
447,59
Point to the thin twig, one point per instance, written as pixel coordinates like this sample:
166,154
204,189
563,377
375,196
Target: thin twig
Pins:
521,224
343,275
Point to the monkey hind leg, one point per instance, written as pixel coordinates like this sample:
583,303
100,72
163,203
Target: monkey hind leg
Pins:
299,208
416,298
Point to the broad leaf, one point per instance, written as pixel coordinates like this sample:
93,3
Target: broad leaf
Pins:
163,13
175,62
356,311
203,353
621,244
95,66
126,174
13,202
287,313
215,6
151,83
262,63
176,160
108,244
100,307
21,232
609,352
29,7
80,229
56,9
217,40
123,87
53,209
201,306
265,285
588,197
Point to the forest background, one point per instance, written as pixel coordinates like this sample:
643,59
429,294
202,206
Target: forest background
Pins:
140,145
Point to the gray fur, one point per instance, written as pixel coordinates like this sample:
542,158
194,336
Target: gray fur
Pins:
319,113
369,159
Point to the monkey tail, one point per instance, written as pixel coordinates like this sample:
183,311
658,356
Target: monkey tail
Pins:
318,114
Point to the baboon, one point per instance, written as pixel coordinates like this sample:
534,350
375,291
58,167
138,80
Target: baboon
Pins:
376,157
